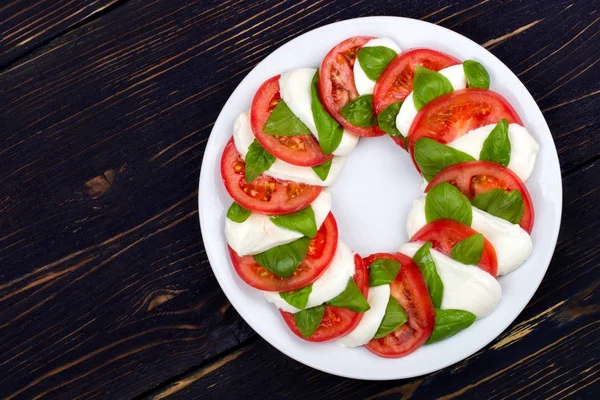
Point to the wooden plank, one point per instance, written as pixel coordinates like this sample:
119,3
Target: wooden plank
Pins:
548,352
105,290
25,25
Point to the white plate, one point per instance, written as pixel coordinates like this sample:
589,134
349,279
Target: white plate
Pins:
372,198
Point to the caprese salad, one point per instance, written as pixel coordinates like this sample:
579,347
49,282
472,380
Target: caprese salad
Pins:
471,224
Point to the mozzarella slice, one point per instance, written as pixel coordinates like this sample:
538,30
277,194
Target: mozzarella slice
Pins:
523,147
243,138
364,85
513,245
258,233
408,111
378,298
295,90
333,281
466,287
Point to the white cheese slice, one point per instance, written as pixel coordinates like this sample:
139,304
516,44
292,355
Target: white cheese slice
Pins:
333,281
257,233
466,287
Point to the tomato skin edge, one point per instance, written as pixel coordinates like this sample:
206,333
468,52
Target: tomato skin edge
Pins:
326,87
497,171
280,204
361,278
417,305
313,154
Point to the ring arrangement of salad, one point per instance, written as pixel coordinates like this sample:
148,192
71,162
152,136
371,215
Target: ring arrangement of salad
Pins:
471,224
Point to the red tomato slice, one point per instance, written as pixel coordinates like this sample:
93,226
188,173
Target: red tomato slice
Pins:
320,253
337,321
475,177
410,289
336,83
454,114
445,233
396,82
263,195
303,150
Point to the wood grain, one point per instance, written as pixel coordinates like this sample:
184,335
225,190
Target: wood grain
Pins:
105,290
25,25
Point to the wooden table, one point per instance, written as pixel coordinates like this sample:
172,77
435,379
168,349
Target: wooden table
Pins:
105,288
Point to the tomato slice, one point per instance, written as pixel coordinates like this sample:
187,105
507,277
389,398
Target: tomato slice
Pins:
265,195
396,82
337,321
302,150
336,83
454,114
410,289
445,233
476,177
320,253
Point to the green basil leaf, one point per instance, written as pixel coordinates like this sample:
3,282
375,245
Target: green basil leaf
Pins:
359,112
432,157
502,204
237,213
283,122
434,283
428,85
383,271
446,201
393,318
449,323
329,131
258,160
323,170
374,60
351,298
309,320
283,260
496,147
297,298
302,221
468,251
476,74
387,120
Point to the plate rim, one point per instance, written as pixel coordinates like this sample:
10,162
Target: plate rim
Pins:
499,328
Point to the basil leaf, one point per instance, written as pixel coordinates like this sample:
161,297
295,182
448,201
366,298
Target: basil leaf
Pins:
502,204
359,112
496,147
387,120
393,318
432,157
468,251
237,213
428,85
383,271
323,170
309,320
374,60
476,74
449,323
297,298
283,260
329,131
446,201
283,122
258,160
351,298
434,283
302,221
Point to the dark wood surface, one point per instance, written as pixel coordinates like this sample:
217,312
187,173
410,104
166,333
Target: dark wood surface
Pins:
105,289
